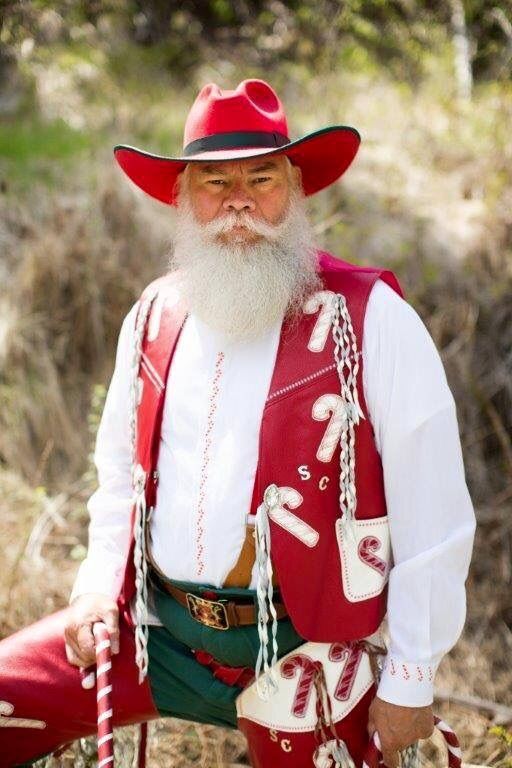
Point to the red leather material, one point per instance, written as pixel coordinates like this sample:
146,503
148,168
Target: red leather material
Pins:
40,684
309,577
239,676
289,439
284,749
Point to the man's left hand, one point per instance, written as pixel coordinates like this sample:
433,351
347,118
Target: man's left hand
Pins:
398,727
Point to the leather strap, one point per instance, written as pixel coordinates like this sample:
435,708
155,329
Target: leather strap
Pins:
239,614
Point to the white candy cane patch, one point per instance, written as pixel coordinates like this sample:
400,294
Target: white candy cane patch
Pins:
333,407
323,301
293,706
365,553
276,499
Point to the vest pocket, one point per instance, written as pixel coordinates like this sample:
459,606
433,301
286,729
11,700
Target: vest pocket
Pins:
365,554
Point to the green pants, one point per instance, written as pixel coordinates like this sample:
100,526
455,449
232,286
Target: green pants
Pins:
186,689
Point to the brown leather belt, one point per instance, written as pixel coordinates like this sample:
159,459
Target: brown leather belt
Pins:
219,614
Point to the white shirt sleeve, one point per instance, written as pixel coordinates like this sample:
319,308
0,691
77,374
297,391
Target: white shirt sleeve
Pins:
431,516
110,505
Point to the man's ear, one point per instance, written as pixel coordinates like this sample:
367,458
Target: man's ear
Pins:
297,174
179,183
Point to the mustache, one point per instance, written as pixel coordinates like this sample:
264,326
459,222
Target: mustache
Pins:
231,219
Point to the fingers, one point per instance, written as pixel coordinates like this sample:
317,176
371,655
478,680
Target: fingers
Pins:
75,657
79,643
371,726
429,729
88,676
86,642
111,619
390,757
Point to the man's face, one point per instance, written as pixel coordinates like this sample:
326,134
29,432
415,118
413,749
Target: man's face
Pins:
243,245
257,187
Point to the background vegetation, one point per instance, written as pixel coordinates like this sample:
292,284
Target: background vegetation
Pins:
427,84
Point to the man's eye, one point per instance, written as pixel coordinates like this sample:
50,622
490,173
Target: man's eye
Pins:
216,181
260,179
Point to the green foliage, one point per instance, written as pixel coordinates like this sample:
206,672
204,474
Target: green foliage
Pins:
394,33
505,737
23,140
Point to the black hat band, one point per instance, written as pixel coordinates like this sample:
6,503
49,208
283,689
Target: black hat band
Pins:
235,140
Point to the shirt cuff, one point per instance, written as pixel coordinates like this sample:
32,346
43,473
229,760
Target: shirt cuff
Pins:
98,578
407,683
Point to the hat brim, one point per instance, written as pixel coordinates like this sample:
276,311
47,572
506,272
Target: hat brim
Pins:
322,156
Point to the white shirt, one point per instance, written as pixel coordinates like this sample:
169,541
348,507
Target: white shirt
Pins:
207,462
208,452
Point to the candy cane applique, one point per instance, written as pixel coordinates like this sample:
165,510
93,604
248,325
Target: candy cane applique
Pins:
6,721
351,657
165,297
305,666
366,551
322,300
333,406
276,499
140,389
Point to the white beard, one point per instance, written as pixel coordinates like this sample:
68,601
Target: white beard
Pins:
242,289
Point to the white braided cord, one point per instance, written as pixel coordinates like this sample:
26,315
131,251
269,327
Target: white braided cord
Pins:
345,350
139,499
266,682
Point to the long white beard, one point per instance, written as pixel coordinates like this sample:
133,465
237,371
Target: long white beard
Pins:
242,289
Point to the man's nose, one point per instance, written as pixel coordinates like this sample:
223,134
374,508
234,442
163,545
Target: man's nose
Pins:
238,199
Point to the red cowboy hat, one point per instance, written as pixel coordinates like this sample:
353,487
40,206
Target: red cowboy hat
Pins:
247,122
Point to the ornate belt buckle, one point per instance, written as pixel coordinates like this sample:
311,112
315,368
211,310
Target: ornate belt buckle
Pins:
211,613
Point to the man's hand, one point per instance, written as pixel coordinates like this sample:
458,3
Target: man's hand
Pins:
79,639
398,727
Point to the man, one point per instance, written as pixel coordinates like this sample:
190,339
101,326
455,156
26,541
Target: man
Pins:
293,414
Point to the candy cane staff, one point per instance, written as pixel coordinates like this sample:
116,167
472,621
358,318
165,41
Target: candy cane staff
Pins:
243,526
373,756
100,674
104,695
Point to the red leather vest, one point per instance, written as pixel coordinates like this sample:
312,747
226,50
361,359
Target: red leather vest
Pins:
333,590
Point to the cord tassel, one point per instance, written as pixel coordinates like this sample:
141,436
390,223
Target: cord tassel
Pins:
266,681
345,349
141,585
139,499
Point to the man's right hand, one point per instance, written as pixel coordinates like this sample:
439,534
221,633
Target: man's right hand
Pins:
84,611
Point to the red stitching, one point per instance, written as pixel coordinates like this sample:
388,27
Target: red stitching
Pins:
206,460
421,672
